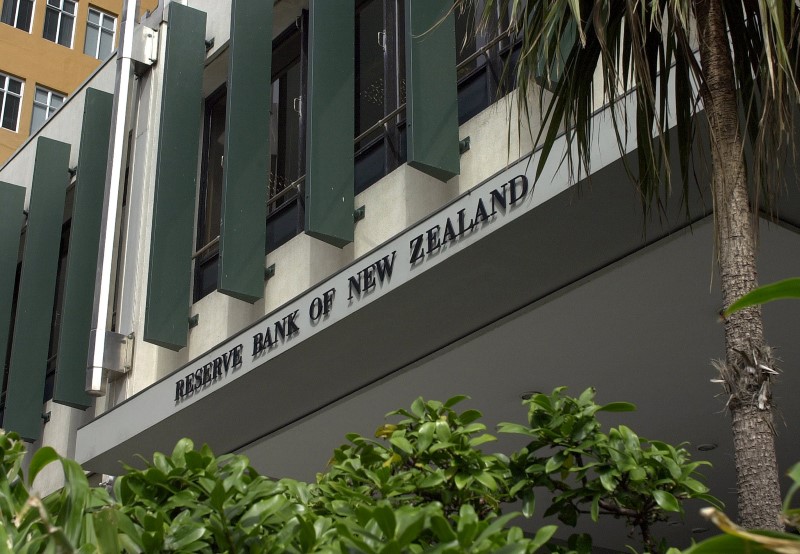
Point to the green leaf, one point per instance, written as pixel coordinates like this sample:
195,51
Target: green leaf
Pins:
487,480
694,485
462,480
595,511
788,288
666,501
443,432
477,441
618,407
543,535
418,407
528,504
727,543
455,400
402,443
184,536
384,516
608,481
469,416
441,527
425,433
555,462
794,473
40,460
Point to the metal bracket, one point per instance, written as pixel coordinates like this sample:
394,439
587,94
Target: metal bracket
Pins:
209,43
46,417
118,354
463,145
269,272
359,213
145,48
194,321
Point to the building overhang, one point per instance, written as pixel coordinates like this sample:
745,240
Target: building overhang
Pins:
504,244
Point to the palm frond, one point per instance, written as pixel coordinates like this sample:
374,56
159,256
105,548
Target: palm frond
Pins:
575,52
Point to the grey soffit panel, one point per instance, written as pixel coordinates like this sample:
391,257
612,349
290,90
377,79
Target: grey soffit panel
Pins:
330,122
167,306
84,242
12,202
37,290
243,233
432,94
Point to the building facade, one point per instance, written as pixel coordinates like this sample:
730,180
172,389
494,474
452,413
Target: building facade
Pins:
264,226
47,49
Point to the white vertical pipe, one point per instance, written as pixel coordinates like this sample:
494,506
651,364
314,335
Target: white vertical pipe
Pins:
115,175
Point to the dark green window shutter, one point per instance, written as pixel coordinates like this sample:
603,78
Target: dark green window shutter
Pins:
84,241
37,290
243,233
330,122
12,202
431,88
166,320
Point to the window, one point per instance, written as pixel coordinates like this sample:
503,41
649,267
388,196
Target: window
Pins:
287,160
59,21
10,99
380,89
100,29
209,206
18,13
45,103
380,73
58,307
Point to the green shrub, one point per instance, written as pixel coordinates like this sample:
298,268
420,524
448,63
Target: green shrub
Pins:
423,484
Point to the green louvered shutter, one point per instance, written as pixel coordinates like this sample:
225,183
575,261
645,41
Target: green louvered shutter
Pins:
243,233
431,88
37,290
168,292
12,201
330,122
84,242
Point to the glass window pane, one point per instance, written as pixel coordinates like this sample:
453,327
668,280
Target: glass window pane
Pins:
369,66
38,117
69,7
11,112
56,3
92,36
25,15
41,96
106,45
94,16
14,85
9,9
50,25
65,33
109,22
56,101
214,162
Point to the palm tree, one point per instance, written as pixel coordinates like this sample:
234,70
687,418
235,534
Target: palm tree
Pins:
728,66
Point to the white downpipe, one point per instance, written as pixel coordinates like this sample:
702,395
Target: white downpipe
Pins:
115,175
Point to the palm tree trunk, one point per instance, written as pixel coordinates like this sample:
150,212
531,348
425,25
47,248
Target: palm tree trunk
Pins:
747,383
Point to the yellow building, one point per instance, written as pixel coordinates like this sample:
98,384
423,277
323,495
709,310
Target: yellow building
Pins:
47,48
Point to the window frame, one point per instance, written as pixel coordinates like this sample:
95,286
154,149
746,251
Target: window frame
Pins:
49,110
61,15
5,93
15,17
100,29
206,251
